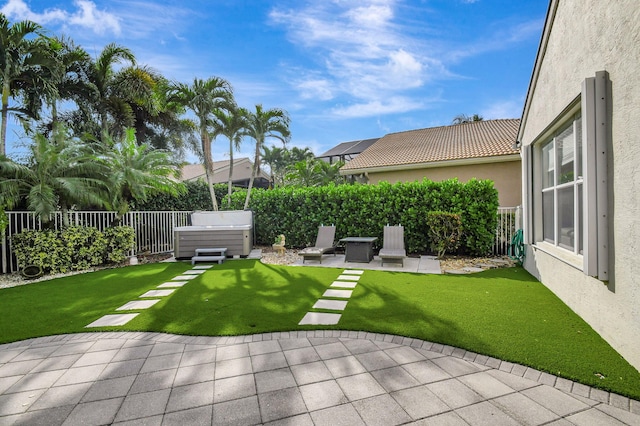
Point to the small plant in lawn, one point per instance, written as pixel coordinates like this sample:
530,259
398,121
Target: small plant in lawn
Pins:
445,231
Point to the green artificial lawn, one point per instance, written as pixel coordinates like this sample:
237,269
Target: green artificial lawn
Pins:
503,313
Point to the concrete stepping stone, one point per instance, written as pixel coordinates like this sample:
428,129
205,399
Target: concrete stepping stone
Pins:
320,318
472,269
184,277
158,293
353,272
344,284
343,294
112,320
348,277
195,272
487,265
202,267
138,304
499,261
429,265
332,305
172,284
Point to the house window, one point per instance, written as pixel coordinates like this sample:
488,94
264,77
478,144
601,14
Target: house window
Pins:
567,185
562,187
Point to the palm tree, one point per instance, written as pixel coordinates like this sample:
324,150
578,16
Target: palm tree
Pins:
463,118
20,58
271,123
303,173
61,172
295,154
314,172
204,97
158,120
230,124
274,158
329,172
66,78
136,171
106,84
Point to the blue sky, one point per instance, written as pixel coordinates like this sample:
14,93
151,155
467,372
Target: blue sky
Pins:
343,69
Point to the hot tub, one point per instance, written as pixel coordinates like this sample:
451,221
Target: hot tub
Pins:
232,229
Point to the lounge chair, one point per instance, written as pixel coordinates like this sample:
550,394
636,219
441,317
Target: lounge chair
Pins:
324,244
393,245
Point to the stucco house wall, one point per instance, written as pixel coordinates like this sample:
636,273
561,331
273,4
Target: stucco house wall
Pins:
505,175
583,37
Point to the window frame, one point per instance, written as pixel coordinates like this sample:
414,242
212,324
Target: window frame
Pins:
556,186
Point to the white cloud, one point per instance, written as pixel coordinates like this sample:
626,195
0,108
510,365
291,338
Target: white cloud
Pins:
363,52
377,107
19,10
500,40
86,16
315,88
503,109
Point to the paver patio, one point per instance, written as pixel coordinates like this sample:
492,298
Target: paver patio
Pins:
152,377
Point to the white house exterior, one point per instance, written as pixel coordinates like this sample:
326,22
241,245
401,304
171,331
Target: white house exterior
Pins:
580,145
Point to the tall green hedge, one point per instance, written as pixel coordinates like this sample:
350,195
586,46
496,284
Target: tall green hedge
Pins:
363,210
195,198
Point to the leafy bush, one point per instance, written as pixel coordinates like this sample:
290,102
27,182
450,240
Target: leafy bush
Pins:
83,247
445,232
40,248
73,248
120,240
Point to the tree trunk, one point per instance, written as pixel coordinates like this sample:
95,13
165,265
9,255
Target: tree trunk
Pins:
256,167
65,215
208,166
230,173
5,114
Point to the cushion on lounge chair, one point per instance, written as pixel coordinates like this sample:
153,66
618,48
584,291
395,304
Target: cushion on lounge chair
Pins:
324,244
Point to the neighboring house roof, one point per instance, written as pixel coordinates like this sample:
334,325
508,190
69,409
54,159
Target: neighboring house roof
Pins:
348,150
242,168
479,141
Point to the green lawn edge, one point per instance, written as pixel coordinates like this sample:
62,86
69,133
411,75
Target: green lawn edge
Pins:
503,313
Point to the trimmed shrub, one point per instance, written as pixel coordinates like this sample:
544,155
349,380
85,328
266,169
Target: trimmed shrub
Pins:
445,232
83,247
74,248
39,248
195,198
120,240
363,210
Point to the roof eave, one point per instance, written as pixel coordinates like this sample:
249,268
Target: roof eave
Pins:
432,164
542,50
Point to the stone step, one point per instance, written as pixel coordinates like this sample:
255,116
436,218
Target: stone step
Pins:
211,251
218,259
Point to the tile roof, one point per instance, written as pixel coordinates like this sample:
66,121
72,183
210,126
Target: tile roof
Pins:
478,139
242,168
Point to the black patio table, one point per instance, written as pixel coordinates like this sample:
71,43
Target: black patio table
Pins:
358,249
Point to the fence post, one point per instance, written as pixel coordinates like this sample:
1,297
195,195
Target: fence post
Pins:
4,251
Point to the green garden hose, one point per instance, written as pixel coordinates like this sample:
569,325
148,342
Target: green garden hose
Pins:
516,249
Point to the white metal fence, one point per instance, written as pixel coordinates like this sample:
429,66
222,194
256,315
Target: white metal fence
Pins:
509,221
153,230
